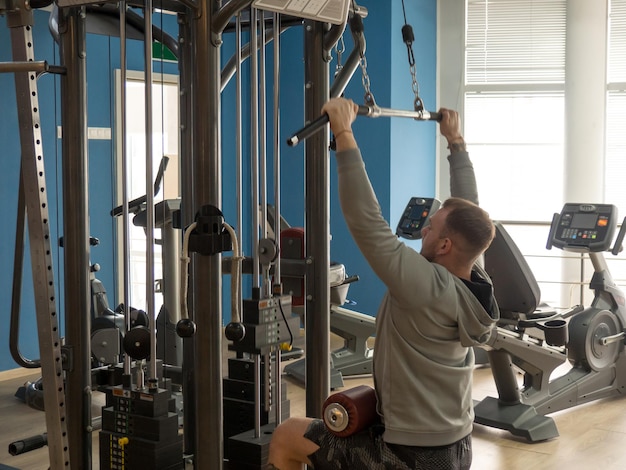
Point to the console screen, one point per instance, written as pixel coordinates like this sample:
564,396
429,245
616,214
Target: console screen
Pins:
584,221
584,228
415,217
416,212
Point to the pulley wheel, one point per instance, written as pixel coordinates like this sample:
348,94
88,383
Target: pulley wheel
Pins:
586,331
137,342
268,251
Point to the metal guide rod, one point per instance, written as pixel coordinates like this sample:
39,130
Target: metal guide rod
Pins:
277,355
33,175
239,149
364,110
276,27
254,145
265,284
125,166
152,373
186,66
254,174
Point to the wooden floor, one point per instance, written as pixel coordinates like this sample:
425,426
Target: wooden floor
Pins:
592,436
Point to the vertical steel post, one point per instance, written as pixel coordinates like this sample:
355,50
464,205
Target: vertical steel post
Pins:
207,275
151,310
76,233
317,223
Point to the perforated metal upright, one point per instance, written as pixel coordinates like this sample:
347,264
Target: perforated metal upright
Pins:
33,185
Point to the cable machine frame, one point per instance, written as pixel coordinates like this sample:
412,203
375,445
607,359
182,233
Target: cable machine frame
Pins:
201,25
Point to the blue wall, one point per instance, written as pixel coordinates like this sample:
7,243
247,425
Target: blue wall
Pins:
399,153
413,144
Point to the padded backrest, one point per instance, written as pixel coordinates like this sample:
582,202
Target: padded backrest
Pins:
514,284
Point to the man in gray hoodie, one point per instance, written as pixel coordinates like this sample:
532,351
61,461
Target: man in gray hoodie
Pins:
438,305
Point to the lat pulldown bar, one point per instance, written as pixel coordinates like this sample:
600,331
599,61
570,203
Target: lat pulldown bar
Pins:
364,110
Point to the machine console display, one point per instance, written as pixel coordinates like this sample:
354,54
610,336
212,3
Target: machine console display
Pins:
584,227
416,216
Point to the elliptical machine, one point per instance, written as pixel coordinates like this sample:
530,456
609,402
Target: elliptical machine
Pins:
591,339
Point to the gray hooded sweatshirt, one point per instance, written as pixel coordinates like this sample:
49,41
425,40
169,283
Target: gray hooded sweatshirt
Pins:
426,324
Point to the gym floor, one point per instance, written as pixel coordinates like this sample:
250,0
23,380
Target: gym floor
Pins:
592,436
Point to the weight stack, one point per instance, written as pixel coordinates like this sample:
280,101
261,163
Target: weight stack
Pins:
268,324
139,431
239,401
250,452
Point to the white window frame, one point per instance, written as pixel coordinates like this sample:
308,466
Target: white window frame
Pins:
170,188
451,94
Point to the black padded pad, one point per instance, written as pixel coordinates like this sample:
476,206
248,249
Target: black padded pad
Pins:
514,284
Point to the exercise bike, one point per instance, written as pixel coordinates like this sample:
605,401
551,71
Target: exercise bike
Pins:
591,339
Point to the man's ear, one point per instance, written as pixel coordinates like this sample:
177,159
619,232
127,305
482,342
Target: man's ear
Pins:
445,245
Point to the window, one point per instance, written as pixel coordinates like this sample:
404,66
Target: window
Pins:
615,158
514,105
517,42
513,99
165,143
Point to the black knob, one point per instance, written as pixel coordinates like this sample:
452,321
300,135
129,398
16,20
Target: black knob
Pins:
137,342
235,331
185,328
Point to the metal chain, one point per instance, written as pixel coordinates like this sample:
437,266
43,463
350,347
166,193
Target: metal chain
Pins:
368,97
417,102
408,38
